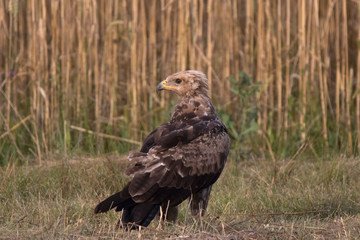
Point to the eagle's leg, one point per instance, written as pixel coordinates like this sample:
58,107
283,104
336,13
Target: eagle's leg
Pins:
167,213
170,213
199,202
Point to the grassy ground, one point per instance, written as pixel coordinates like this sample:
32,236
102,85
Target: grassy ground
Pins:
253,199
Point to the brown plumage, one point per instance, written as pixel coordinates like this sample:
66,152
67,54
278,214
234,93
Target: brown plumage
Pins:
178,160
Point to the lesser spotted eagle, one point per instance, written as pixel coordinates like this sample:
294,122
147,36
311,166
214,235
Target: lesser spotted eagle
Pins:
178,160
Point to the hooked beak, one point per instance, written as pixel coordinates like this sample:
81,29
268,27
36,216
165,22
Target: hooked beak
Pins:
161,86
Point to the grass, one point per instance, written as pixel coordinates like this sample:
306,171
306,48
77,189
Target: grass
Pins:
260,199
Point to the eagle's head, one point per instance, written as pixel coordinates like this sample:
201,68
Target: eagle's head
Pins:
186,83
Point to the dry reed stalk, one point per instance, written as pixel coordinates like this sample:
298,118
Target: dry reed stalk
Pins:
114,65
8,96
357,106
94,44
187,34
65,137
164,26
200,33
327,70
348,113
78,61
152,44
229,51
346,77
102,57
260,70
15,126
3,37
44,74
209,45
37,140
312,45
108,68
237,39
13,140
271,48
181,45
36,108
268,97
106,28
166,30
287,70
321,72
249,38
7,68
343,72
329,28
278,77
64,54
193,33
86,65
105,135
302,66
144,99
226,48
55,27
338,71
133,65
17,114
141,61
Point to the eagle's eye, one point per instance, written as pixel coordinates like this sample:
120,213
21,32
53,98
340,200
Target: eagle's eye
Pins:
178,81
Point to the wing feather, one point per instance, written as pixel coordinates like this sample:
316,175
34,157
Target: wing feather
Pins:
195,160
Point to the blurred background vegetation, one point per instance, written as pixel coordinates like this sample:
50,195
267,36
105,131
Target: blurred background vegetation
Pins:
80,76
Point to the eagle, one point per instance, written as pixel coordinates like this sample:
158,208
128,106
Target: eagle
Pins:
180,159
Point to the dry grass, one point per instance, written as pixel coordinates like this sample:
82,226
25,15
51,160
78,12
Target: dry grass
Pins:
95,65
253,199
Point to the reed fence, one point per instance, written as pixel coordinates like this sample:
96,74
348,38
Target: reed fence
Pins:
94,65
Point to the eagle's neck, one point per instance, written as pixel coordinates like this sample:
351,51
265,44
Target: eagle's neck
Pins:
198,106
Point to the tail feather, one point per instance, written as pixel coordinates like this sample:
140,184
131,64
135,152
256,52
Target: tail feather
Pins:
119,200
134,214
112,202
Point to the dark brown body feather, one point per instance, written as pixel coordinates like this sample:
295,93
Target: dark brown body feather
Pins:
178,159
